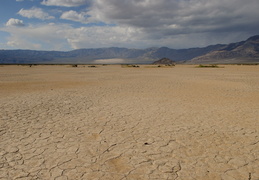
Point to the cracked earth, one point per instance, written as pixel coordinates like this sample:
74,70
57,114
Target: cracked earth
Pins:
109,122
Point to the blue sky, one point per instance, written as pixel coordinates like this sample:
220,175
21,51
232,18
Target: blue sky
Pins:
74,24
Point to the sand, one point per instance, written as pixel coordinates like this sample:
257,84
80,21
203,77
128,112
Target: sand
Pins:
112,122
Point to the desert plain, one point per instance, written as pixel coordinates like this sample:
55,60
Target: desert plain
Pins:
122,123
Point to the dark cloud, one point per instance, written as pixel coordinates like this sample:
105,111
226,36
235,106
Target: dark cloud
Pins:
174,17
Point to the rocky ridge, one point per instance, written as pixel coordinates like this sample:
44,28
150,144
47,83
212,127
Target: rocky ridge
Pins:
244,51
166,61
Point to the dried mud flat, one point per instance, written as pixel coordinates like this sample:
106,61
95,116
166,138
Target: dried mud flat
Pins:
109,122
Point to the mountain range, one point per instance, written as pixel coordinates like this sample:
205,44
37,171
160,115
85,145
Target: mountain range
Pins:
241,52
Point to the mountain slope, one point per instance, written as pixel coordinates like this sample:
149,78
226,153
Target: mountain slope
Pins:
240,52
165,61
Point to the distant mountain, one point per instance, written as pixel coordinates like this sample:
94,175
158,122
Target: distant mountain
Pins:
164,61
240,52
245,51
85,56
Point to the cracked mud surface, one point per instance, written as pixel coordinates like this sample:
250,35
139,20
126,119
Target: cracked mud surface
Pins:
59,122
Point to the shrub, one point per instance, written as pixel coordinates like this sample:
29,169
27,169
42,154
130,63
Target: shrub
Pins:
130,65
208,66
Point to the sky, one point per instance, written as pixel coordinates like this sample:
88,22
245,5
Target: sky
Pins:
74,24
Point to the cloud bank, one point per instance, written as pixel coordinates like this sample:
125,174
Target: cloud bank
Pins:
137,23
164,18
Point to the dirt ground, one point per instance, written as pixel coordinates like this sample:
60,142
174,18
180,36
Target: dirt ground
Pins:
118,122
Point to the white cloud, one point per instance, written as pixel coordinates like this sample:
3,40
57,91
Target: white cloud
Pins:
42,36
21,43
35,13
66,3
103,36
74,16
63,36
14,22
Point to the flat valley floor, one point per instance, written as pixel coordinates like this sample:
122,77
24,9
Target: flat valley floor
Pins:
119,123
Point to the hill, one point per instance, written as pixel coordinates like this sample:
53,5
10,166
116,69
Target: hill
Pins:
166,61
